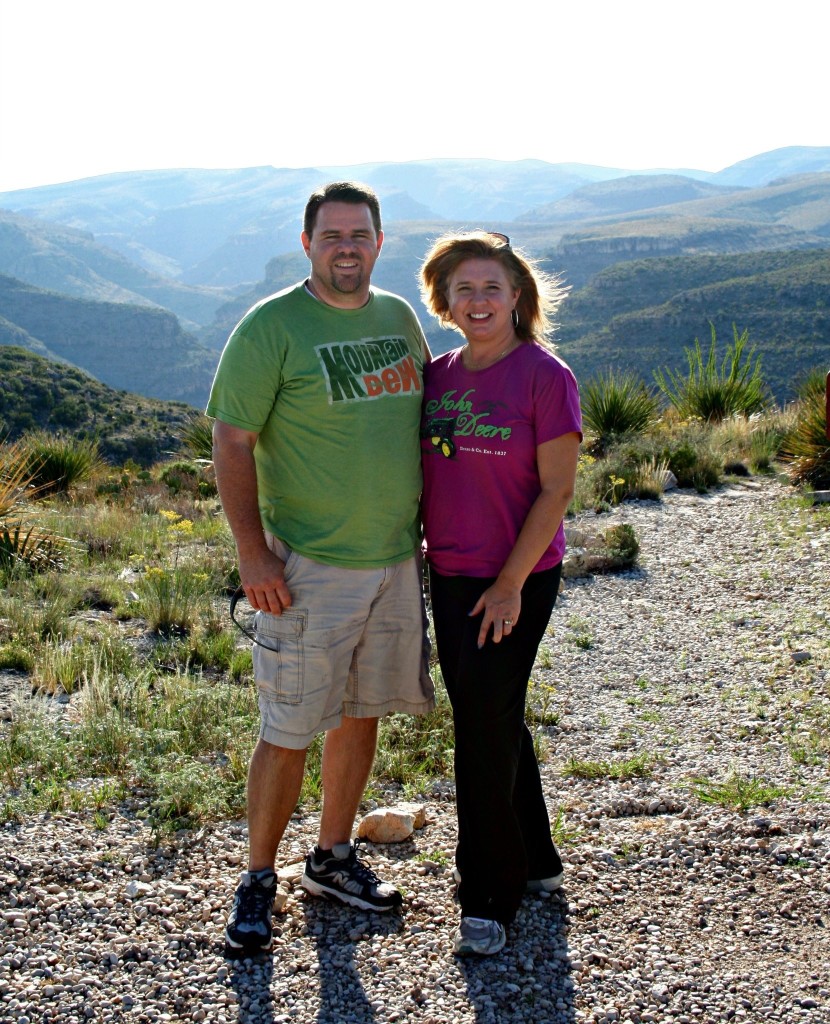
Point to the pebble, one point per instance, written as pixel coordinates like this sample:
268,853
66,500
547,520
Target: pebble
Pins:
674,909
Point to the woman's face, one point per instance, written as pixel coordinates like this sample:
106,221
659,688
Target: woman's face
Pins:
481,299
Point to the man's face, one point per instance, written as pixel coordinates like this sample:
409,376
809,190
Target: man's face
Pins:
343,249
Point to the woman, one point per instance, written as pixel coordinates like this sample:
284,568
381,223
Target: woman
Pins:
500,441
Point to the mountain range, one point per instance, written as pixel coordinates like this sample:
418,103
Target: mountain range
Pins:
138,277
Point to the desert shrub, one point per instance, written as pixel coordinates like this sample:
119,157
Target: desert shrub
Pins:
713,393
687,450
615,404
622,542
638,467
190,478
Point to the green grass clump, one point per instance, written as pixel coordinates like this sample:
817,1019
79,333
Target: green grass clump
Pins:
182,739
739,792
636,767
169,599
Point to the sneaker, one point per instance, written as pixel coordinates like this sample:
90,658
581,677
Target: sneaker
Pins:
545,884
533,884
341,876
249,923
478,936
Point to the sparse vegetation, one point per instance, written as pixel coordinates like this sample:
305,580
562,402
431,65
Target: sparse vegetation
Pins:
636,767
136,636
738,791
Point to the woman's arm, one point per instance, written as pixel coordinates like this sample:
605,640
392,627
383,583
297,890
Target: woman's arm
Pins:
556,461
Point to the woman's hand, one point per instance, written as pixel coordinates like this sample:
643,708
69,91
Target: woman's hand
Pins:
502,605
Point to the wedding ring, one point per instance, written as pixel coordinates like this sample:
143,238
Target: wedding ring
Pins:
508,622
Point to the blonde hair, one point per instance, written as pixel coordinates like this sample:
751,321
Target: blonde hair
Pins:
540,294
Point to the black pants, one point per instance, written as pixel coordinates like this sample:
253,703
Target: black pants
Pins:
503,826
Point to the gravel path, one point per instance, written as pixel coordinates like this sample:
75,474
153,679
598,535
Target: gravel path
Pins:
708,663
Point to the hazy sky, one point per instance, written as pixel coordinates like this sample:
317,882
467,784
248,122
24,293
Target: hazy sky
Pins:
93,86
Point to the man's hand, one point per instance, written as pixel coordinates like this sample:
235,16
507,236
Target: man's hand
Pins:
263,580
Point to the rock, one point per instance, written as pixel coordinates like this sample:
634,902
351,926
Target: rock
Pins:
137,889
387,825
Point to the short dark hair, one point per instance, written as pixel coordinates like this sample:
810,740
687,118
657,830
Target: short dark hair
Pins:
341,192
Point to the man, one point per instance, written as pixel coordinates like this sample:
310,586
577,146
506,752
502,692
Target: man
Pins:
317,402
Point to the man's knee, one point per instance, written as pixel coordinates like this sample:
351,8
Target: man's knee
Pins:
275,754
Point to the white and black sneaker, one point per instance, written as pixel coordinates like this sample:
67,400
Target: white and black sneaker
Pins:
249,926
339,875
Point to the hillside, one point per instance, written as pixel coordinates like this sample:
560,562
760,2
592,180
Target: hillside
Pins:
66,260
136,348
641,314
638,312
36,393
625,195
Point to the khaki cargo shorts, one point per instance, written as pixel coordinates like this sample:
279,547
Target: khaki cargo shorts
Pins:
354,642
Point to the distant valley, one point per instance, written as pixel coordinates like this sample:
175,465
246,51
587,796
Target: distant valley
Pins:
137,278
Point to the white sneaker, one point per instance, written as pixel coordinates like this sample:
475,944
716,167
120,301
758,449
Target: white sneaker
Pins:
545,884
478,936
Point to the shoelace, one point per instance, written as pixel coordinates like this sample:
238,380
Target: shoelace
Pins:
361,871
254,899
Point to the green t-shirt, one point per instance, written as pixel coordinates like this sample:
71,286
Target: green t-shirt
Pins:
335,397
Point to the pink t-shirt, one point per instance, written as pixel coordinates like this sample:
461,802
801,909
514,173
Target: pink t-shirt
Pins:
480,432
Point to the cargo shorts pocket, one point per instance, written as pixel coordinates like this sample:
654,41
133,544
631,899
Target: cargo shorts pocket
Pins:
279,656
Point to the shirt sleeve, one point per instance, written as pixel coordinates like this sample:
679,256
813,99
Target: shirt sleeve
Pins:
248,378
556,405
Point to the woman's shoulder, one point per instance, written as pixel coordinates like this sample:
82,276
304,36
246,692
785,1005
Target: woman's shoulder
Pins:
547,362
444,363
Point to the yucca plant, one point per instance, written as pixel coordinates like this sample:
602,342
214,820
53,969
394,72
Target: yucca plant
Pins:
806,448
55,464
617,403
23,547
197,437
713,393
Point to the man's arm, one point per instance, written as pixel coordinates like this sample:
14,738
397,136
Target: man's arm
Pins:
260,571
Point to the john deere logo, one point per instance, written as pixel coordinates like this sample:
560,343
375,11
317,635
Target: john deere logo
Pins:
368,369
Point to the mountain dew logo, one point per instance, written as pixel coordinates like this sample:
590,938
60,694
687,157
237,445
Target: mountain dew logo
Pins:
358,370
